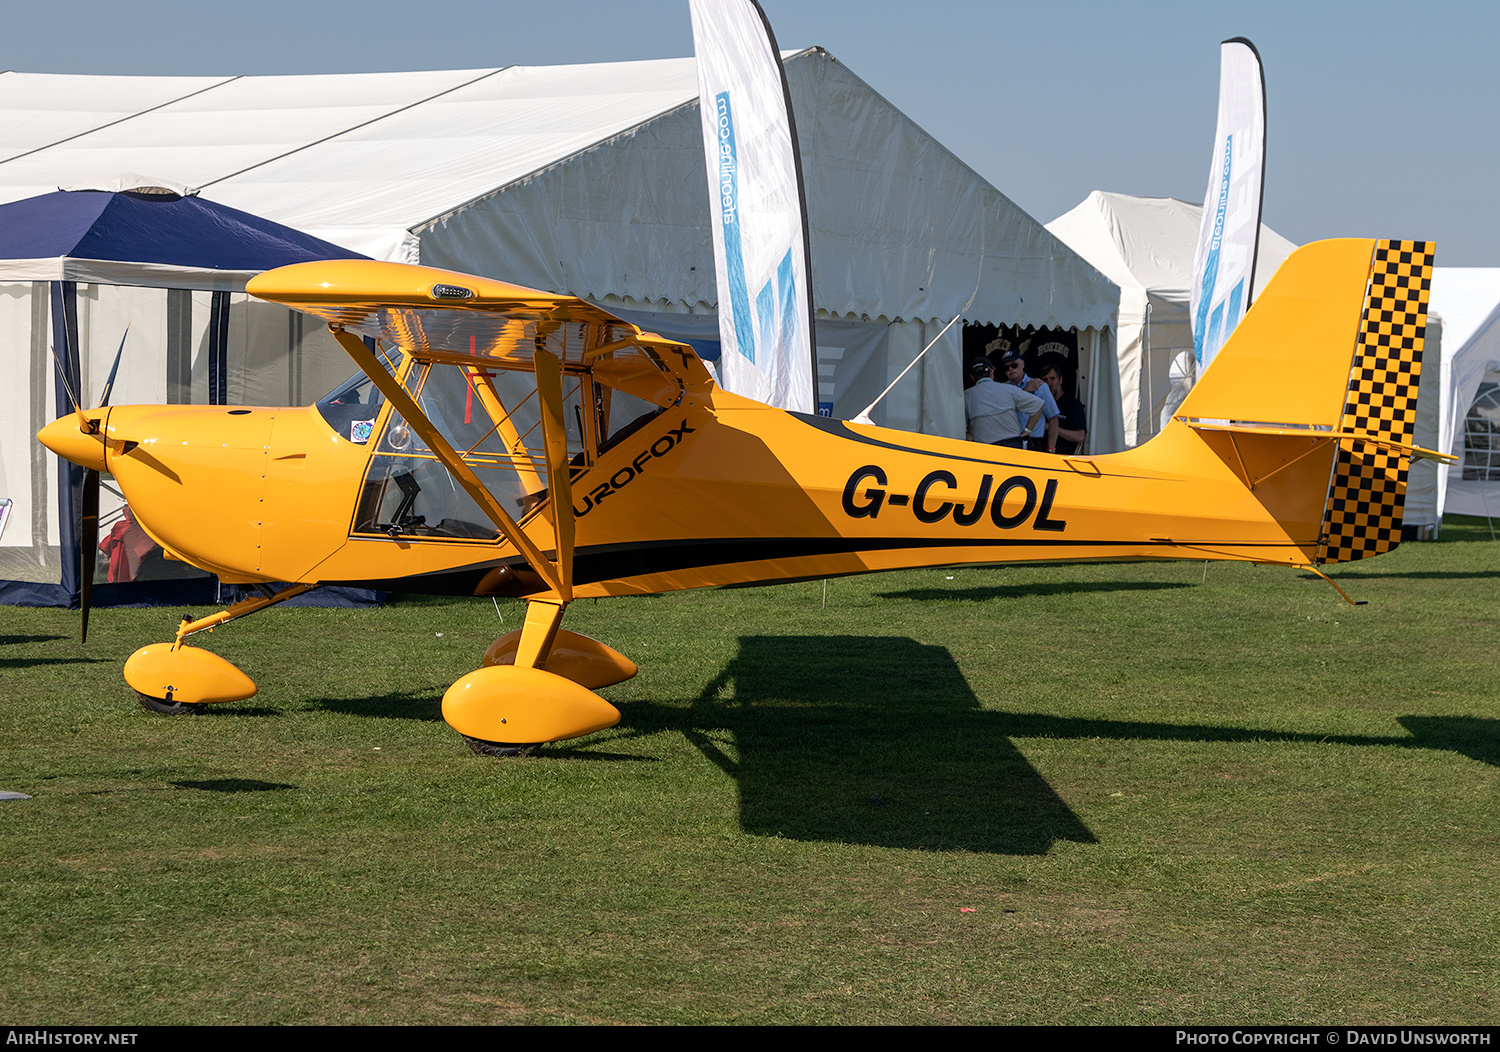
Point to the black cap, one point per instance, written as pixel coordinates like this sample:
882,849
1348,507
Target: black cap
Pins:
980,368
1012,355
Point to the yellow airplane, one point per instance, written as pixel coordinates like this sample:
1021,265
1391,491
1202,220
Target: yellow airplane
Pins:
501,441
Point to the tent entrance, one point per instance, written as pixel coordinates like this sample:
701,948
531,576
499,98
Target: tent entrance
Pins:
1084,359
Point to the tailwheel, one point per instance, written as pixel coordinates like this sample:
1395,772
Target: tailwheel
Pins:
164,706
503,710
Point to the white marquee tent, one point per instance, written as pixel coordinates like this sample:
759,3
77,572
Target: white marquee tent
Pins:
1145,245
589,180
1468,298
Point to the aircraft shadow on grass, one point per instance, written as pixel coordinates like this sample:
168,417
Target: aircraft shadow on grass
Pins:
1413,575
863,740
1476,737
234,712
32,662
1472,736
880,741
413,705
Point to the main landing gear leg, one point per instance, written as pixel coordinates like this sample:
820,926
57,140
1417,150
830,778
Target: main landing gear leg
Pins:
542,621
515,702
174,678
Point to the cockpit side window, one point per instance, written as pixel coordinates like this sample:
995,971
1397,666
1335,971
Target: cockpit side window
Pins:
496,429
490,413
623,415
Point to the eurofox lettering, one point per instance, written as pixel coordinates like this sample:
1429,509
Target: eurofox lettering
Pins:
864,501
623,477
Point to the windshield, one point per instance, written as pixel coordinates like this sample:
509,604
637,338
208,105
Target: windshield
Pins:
351,408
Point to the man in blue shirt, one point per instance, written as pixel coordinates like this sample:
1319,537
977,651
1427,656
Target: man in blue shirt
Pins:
1041,435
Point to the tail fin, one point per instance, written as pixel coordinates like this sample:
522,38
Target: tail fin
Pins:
1367,497
1325,369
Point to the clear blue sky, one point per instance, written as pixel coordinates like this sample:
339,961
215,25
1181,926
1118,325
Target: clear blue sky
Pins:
1380,119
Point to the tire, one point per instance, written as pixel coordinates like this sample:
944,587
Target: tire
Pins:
484,748
164,706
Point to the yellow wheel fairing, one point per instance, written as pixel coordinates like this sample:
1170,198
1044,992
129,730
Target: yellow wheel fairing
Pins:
186,675
522,706
573,656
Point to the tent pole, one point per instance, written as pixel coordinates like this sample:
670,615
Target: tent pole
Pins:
69,476
1146,368
218,349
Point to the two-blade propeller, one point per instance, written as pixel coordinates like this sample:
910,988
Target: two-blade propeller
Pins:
88,516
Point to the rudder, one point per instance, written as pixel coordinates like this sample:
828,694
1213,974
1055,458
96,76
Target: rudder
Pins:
1367,493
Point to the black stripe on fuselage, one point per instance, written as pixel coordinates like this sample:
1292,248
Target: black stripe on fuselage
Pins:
613,562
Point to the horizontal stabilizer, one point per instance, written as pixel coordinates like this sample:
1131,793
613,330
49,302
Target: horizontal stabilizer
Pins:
1309,431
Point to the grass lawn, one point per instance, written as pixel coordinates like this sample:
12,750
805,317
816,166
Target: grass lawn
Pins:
1052,794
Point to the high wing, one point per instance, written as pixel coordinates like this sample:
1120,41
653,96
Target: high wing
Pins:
483,325
442,315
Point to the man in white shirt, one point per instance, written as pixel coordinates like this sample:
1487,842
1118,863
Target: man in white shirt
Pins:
994,409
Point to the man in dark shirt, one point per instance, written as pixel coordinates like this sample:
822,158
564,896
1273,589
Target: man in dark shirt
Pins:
1072,419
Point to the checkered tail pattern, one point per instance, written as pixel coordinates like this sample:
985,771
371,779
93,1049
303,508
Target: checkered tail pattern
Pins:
1367,495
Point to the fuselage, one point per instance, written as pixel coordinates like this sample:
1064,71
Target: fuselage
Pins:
715,490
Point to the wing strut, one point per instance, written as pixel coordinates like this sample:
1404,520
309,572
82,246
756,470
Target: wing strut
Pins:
407,407
559,484
481,380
